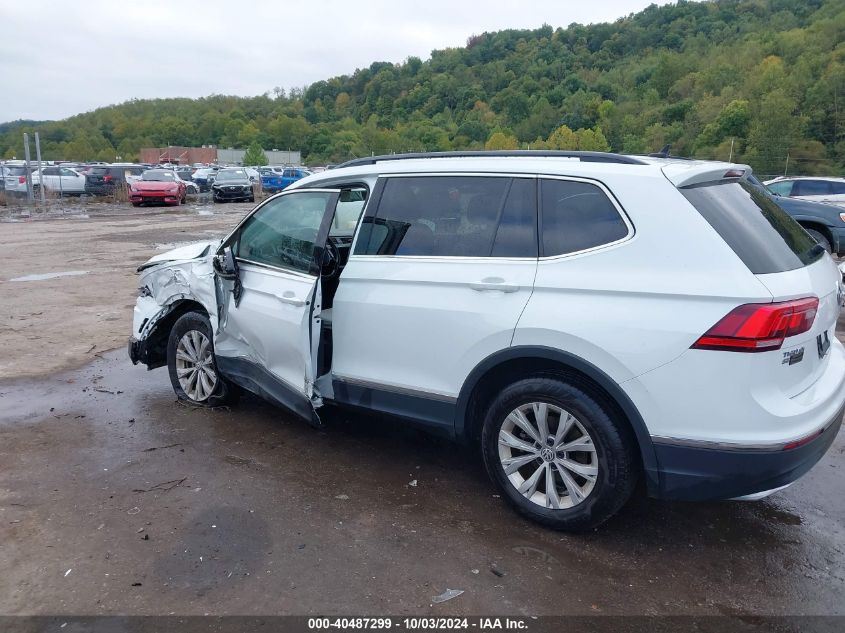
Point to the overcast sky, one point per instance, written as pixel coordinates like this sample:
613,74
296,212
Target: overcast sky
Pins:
61,58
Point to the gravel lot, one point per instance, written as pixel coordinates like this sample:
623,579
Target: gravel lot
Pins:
116,500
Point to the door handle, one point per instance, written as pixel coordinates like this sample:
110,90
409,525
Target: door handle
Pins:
493,283
289,297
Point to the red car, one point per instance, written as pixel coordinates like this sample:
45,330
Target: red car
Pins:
160,186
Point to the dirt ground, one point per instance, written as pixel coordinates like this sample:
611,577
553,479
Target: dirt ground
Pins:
68,283
114,499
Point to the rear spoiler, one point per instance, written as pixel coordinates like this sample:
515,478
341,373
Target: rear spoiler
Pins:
682,174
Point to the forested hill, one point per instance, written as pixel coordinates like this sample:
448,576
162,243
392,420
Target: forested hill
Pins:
767,75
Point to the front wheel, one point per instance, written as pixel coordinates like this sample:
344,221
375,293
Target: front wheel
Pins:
558,454
190,362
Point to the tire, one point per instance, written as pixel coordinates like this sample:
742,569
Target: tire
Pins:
252,198
184,199
821,239
607,472
136,204
210,389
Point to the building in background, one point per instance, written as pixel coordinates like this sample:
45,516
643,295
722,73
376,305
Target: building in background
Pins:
211,154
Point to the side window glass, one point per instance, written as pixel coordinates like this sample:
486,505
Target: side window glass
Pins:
348,210
283,232
447,216
782,188
576,216
516,235
811,188
837,188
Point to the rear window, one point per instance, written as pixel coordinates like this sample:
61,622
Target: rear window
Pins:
577,216
763,235
99,171
811,188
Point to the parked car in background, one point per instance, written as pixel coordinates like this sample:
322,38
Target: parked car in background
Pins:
158,186
103,179
824,222
811,188
14,180
204,177
191,187
233,183
587,321
59,181
275,180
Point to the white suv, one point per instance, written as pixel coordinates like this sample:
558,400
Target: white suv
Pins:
586,319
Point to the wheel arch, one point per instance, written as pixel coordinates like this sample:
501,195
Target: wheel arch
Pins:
155,343
513,363
819,225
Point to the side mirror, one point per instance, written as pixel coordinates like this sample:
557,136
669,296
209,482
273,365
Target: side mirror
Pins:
225,265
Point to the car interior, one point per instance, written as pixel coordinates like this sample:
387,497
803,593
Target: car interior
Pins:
348,211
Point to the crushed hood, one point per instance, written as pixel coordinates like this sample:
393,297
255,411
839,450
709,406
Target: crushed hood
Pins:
183,253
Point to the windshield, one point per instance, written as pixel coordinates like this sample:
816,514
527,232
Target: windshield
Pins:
232,174
159,175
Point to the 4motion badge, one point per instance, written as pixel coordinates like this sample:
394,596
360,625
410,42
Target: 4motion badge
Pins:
793,356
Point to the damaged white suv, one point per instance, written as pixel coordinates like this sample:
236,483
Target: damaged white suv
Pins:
586,319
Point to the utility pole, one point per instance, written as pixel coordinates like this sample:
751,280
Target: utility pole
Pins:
786,167
731,157
29,196
40,177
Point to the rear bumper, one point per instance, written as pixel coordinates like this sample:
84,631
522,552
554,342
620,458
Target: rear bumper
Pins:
100,190
695,473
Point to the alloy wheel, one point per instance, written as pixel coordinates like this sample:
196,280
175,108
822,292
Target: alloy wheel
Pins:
548,455
195,366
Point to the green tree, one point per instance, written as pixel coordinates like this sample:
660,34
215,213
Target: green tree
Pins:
500,140
254,156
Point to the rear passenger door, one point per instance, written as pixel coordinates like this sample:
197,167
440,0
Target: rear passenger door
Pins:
441,270
812,190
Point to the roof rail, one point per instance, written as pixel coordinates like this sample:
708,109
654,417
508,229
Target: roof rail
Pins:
586,157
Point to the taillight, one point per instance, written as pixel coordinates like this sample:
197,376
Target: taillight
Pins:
760,327
21,179
107,178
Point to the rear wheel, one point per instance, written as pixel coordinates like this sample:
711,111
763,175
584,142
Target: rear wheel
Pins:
190,362
557,454
821,238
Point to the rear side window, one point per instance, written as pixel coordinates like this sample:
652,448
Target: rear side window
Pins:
837,188
576,216
762,234
811,188
453,216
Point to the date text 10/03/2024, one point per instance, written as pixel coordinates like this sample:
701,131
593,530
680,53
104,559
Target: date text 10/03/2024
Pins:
418,623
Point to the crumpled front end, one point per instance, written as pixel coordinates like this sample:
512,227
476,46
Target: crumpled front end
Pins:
168,288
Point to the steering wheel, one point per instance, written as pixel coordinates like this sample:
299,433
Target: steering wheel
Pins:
331,260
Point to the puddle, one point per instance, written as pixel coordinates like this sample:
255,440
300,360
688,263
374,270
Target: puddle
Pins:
57,275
